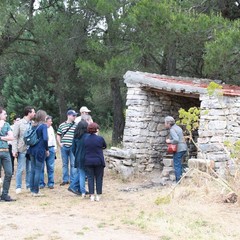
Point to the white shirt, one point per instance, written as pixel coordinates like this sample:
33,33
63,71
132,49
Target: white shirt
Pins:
77,120
51,138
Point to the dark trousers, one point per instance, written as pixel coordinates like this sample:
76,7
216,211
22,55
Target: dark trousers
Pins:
95,173
6,163
12,157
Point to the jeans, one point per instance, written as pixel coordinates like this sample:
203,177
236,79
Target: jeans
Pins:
66,153
6,163
177,162
78,183
95,173
50,163
22,164
36,168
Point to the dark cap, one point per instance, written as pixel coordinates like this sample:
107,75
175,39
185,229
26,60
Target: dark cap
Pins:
71,112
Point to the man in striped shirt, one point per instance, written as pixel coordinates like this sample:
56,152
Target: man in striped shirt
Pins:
65,135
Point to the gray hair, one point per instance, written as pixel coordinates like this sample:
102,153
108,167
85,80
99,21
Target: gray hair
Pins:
86,117
170,120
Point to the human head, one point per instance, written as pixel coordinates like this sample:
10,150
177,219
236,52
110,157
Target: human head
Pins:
49,120
84,110
169,121
71,115
80,129
87,118
29,112
40,116
93,127
3,114
16,119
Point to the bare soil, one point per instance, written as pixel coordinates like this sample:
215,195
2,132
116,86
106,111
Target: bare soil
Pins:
127,210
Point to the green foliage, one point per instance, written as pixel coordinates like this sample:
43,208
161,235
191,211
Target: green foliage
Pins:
189,118
214,88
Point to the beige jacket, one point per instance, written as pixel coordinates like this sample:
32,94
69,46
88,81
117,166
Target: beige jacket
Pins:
18,144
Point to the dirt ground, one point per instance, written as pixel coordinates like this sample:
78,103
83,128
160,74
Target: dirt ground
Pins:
127,210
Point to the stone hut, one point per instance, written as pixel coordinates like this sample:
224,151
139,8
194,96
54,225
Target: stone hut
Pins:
151,97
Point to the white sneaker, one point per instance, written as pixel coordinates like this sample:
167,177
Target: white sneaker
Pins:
97,198
18,190
92,198
37,194
83,195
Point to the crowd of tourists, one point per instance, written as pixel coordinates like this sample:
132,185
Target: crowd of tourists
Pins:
81,149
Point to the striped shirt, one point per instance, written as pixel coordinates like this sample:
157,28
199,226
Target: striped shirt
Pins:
66,131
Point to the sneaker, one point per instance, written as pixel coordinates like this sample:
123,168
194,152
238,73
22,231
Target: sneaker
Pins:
64,183
97,198
18,190
42,186
37,194
83,195
92,198
73,191
51,187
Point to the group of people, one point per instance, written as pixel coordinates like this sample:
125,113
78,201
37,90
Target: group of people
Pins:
81,151
80,146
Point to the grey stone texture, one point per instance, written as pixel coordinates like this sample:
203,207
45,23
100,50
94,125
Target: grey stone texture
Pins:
149,101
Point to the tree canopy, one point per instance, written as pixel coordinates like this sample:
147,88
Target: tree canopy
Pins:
57,54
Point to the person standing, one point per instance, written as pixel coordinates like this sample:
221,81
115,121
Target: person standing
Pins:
78,150
38,152
176,137
15,120
19,148
83,111
6,135
65,135
50,160
75,184
94,160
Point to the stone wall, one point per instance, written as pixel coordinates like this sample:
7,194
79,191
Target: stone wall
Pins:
219,122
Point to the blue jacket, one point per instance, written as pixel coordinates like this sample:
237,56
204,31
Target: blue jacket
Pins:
39,150
78,149
94,146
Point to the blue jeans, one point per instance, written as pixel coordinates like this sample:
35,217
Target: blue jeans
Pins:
23,164
95,173
50,163
67,155
6,163
177,162
78,183
36,168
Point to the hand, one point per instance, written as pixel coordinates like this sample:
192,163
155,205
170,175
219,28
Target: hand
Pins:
47,153
15,155
168,141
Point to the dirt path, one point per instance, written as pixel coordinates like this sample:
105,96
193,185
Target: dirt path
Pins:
192,214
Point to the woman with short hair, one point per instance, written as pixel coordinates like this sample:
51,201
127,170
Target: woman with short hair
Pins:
176,137
94,160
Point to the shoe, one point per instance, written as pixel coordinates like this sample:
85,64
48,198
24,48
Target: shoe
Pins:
7,199
51,187
73,191
18,190
37,194
83,195
64,183
41,187
97,198
92,198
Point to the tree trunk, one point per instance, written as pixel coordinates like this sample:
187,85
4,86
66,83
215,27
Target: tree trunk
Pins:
118,117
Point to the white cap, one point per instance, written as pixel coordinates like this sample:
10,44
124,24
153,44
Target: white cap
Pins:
84,109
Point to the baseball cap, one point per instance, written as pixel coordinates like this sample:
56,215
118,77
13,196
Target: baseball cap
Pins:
71,112
84,109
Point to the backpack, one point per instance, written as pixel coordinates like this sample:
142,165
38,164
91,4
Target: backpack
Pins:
30,136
